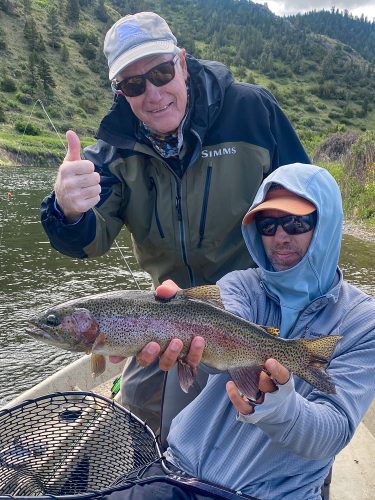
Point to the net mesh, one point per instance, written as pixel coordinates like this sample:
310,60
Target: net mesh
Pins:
70,443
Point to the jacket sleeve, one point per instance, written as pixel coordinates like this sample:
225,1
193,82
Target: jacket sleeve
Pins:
95,232
308,422
68,239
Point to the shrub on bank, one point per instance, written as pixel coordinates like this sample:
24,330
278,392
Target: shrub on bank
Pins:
27,128
360,162
354,171
7,84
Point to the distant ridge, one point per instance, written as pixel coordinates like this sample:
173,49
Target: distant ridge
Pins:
322,74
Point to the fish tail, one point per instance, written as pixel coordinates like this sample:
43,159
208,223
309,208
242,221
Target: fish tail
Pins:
319,352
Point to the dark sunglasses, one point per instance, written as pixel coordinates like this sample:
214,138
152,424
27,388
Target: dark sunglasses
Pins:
292,224
160,75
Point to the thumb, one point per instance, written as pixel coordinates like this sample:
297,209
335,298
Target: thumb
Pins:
74,146
277,371
167,290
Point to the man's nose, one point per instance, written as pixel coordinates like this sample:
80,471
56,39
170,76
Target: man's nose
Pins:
281,234
152,91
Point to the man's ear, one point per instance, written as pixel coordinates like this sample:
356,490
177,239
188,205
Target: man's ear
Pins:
183,64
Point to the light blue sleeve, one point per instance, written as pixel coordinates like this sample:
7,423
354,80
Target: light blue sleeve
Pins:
320,425
308,422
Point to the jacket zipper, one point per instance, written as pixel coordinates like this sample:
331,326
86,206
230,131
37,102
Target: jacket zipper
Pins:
202,224
179,216
158,223
182,232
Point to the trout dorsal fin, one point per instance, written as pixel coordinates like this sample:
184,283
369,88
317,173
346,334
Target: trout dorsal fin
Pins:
205,293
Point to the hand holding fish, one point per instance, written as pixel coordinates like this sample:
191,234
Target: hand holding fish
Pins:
77,185
277,372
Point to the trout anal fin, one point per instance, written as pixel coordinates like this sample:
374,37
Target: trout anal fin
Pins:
186,374
247,380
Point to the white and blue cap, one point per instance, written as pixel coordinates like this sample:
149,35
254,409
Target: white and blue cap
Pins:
136,36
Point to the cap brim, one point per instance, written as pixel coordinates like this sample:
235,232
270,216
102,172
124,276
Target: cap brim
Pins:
139,52
289,204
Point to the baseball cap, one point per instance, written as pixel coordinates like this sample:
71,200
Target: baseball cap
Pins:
280,198
136,36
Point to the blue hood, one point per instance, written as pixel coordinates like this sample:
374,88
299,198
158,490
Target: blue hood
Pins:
313,276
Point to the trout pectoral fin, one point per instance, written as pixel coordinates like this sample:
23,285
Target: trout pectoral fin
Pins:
186,375
206,293
97,364
247,380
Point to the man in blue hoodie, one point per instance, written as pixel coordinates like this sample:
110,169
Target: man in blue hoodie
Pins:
283,447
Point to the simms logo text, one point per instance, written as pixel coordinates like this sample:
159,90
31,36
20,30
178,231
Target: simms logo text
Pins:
208,153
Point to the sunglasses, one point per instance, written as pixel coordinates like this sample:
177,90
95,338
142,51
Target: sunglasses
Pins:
292,224
159,75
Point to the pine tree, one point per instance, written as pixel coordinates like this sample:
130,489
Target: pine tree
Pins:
3,43
73,10
88,50
40,45
64,53
327,67
32,73
54,28
29,29
27,7
7,6
101,12
45,75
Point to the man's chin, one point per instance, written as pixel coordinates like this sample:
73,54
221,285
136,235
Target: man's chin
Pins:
282,264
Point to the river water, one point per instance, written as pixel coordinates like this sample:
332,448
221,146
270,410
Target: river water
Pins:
34,276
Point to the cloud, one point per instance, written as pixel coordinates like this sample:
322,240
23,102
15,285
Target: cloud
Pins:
356,7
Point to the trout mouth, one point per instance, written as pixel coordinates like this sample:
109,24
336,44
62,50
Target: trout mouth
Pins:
52,336
75,329
38,333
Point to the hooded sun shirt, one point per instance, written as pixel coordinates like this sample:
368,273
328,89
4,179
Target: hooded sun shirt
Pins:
285,448
319,265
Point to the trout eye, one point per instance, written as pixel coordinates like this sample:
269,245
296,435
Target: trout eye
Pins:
52,320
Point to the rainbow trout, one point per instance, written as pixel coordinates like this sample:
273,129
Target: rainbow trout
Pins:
123,322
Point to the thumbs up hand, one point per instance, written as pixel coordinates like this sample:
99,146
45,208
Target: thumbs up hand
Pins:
77,186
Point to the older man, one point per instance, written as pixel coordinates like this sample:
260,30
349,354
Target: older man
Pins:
178,161
282,446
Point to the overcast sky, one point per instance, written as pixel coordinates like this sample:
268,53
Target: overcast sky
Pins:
281,7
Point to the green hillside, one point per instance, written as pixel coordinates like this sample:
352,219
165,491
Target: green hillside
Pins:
54,76
358,33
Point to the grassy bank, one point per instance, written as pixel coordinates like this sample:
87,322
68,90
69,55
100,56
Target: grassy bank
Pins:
28,150
354,172
358,197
